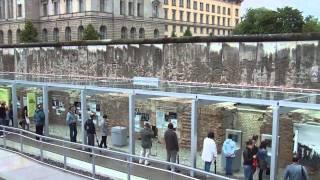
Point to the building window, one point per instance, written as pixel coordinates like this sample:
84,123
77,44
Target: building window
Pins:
156,33
141,33
2,9
218,21
174,29
56,34
166,13
237,21
195,29
124,33
173,14
139,9
219,10
224,21
1,37
195,3
165,2
181,15
228,21
237,12
133,33
207,19
213,9
201,30
103,32
181,3
195,17
201,18
156,10
166,27
207,30
229,11
201,6
10,9
19,10
224,10
80,33
207,8
69,6
121,7
188,4
188,16
181,29
81,6
102,5
44,35
55,8
130,6
212,20
173,2
9,37
68,34
45,9
18,35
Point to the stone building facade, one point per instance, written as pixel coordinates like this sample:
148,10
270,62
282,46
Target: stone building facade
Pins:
65,20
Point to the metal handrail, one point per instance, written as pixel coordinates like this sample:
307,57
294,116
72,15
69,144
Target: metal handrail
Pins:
129,157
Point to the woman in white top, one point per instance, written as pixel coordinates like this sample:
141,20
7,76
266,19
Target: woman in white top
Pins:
209,152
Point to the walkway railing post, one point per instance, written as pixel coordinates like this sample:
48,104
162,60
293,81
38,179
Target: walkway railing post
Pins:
64,156
131,131
41,149
93,163
194,134
84,113
21,142
275,142
45,109
14,105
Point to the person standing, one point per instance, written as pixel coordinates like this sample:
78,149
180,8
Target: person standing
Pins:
104,132
255,150
228,149
262,156
91,130
146,143
39,119
2,115
295,171
209,152
7,118
72,122
25,122
248,160
172,145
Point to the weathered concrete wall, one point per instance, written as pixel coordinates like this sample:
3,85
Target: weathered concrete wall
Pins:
290,64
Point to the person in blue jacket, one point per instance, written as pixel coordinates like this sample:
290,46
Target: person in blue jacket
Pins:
39,119
229,149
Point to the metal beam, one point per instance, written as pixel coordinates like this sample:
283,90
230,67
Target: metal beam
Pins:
194,134
132,123
84,115
14,105
45,103
275,142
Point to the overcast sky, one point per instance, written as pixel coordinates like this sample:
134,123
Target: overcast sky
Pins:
308,7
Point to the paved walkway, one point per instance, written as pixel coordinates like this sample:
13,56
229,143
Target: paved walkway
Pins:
16,167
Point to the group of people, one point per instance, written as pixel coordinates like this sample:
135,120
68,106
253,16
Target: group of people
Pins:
6,115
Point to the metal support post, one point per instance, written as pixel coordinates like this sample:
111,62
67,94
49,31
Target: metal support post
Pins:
275,143
93,164
21,142
194,135
64,156
45,109
41,149
131,124
14,105
84,116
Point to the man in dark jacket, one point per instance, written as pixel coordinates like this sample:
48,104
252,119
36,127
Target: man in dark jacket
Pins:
90,129
146,142
172,146
39,119
248,160
2,115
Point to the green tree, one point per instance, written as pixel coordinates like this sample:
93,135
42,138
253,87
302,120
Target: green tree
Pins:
29,33
265,21
311,24
187,33
173,34
90,33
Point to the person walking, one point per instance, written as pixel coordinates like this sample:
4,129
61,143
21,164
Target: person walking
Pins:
39,118
248,161
25,123
229,149
104,132
91,130
262,156
209,152
2,116
72,123
146,143
295,171
172,145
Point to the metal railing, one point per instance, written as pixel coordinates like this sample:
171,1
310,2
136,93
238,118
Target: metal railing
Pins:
95,152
